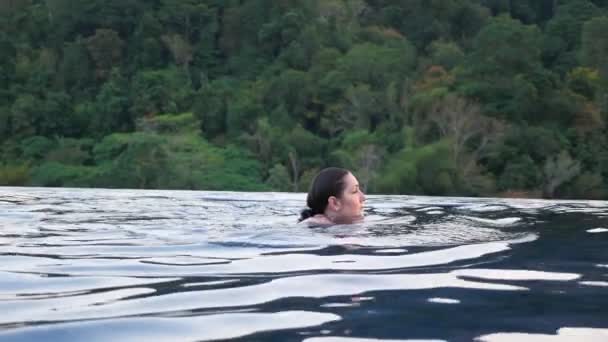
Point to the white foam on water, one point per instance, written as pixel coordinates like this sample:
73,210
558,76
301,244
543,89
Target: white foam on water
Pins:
359,339
361,299
563,335
597,230
507,221
594,283
443,300
487,208
376,219
391,250
429,209
500,274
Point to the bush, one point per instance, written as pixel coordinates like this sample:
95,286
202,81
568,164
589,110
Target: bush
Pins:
14,175
58,174
36,147
169,124
422,170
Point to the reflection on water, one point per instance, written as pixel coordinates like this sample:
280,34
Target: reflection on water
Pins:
194,328
355,339
562,335
190,266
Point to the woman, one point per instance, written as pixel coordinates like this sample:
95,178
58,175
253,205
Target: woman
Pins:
334,198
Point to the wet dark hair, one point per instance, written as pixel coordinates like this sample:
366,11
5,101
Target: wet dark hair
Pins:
328,182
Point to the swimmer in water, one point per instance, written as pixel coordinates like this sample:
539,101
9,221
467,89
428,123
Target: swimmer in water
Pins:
334,198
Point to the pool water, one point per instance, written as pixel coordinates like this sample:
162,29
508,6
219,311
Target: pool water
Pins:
129,265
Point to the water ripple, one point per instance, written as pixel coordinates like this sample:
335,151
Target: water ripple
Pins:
80,264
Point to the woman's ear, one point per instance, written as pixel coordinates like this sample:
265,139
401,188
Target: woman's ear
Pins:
334,203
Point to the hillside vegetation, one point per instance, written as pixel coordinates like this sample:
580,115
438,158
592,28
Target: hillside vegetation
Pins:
451,97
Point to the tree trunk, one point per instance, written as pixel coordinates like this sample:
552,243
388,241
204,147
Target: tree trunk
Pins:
293,161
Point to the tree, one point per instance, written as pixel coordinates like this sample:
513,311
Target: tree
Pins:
519,174
161,91
595,50
362,153
106,49
109,112
36,147
180,48
281,32
211,106
378,65
424,21
145,47
419,170
266,143
10,6
445,53
57,174
563,34
461,122
8,55
57,117
25,115
558,170
14,175
304,151
69,151
517,162
504,70
278,178
75,70
186,17
292,89
140,161
191,159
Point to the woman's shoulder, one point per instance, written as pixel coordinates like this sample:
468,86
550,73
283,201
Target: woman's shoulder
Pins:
317,220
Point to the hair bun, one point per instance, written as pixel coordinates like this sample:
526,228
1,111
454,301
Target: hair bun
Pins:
306,213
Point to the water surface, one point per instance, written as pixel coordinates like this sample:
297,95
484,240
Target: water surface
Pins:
124,265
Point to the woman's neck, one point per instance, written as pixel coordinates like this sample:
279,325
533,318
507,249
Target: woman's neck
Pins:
323,217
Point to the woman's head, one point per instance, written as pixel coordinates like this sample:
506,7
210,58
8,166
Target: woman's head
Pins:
335,193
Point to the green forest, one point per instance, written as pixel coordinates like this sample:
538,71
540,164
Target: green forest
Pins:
434,97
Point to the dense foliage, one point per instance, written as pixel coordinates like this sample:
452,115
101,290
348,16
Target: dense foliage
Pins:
455,97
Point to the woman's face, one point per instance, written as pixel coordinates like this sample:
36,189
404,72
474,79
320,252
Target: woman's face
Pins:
349,206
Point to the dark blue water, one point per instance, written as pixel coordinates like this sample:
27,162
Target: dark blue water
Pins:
122,265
